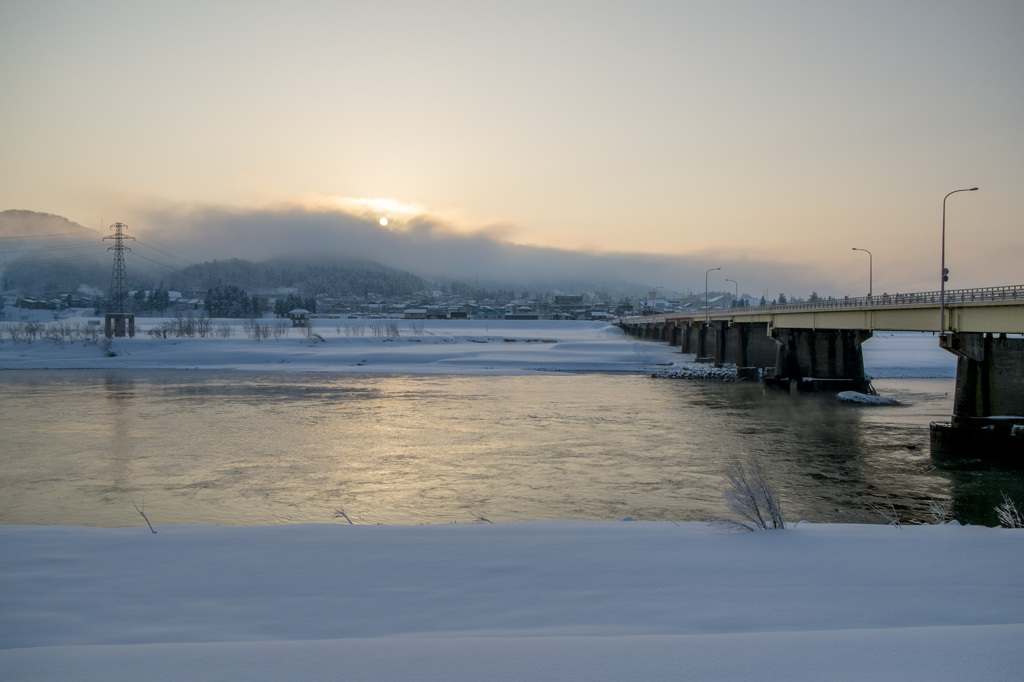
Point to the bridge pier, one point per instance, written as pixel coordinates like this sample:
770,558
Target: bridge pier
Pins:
988,405
707,340
820,360
690,333
749,346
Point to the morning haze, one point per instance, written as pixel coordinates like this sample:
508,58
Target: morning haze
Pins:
645,141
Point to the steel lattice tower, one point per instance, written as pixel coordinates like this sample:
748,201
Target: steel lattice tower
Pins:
119,276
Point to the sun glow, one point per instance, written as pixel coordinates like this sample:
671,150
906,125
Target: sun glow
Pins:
396,212
398,216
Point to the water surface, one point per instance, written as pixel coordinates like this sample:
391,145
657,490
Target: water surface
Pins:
243,448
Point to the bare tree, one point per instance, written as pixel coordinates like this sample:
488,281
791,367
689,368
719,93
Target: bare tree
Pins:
280,329
255,330
33,330
204,325
184,325
752,497
940,512
1009,514
312,335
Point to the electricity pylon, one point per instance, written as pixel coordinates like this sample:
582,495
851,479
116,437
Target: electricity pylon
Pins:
119,276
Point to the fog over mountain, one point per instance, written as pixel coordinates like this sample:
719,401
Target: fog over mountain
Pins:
167,240
435,251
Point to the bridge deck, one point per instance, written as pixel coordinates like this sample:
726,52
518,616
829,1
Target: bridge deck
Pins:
988,310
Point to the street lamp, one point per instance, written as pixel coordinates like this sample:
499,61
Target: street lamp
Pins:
871,268
944,273
737,296
707,311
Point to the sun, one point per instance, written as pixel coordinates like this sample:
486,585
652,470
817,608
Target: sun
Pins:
383,222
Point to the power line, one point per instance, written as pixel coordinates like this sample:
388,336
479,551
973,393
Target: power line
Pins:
183,263
53,260
52,248
44,236
96,245
168,250
155,262
47,261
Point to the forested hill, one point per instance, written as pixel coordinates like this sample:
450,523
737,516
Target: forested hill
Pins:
42,253
30,225
328,278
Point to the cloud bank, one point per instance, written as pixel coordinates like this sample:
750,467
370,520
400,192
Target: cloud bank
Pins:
434,250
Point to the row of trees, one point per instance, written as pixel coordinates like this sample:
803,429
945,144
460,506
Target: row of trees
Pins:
286,304
334,279
157,300
781,300
220,301
58,332
233,301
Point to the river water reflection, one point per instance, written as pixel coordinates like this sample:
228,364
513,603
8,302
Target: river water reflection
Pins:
241,448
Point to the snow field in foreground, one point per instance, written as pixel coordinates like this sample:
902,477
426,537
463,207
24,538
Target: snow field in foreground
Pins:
544,600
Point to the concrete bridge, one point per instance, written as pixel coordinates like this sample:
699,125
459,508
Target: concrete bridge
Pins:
816,346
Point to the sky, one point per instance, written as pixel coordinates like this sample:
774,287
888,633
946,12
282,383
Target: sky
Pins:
768,139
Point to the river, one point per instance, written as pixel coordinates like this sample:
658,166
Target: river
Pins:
244,448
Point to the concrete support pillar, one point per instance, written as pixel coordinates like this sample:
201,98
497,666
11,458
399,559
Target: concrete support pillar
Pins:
689,338
989,374
706,342
119,325
758,347
749,346
720,333
821,359
988,404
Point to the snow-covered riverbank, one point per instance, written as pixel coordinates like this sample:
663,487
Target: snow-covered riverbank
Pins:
521,601
422,347
419,347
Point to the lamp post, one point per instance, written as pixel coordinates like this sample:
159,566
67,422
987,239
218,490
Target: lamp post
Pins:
737,296
944,273
707,311
871,267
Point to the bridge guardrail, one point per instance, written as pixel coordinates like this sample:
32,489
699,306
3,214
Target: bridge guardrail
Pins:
952,297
